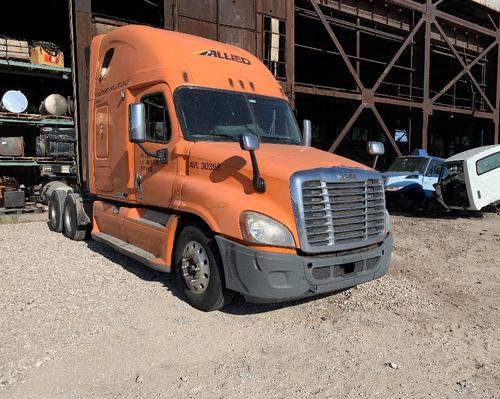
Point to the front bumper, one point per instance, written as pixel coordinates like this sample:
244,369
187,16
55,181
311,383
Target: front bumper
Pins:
265,277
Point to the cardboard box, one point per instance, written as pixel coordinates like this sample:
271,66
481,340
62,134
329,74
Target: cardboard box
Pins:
40,56
14,49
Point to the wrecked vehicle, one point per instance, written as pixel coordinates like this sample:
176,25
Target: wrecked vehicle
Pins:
470,180
409,181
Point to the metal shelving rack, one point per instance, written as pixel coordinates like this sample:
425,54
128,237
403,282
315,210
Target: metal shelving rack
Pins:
25,68
41,71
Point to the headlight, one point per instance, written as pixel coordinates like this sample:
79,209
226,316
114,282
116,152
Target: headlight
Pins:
388,223
393,188
261,229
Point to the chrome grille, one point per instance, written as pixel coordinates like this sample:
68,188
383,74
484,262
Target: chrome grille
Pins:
338,208
341,213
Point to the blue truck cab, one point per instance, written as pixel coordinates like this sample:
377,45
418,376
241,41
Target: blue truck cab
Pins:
410,180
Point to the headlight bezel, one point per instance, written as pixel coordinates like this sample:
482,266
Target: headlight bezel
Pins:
249,220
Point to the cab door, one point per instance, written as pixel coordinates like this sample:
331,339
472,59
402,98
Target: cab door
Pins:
431,176
154,180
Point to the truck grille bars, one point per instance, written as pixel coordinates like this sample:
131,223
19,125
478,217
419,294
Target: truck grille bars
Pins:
341,209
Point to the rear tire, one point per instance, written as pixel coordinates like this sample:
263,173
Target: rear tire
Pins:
56,210
70,219
198,266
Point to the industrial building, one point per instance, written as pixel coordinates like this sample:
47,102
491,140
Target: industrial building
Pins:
411,73
415,74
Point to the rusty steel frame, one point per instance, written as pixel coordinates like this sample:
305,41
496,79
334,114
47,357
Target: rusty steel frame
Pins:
368,97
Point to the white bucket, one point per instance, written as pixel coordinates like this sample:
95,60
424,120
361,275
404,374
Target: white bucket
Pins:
55,105
14,101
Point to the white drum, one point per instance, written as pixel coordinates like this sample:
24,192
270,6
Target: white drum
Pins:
14,101
55,105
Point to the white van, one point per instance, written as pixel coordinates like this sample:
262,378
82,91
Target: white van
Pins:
471,180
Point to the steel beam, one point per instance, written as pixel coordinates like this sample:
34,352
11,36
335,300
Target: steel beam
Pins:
464,111
398,102
326,92
427,105
412,5
464,71
81,37
386,131
398,54
336,41
347,127
466,24
464,66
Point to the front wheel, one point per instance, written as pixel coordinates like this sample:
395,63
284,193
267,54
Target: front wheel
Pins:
198,266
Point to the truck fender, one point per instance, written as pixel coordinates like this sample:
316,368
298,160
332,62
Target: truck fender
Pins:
409,187
81,215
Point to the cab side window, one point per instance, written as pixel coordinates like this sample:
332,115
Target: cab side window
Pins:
157,120
487,164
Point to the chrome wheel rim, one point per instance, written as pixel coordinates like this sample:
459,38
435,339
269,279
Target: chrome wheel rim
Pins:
195,267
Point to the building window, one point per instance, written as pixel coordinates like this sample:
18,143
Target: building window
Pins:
275,45
157,121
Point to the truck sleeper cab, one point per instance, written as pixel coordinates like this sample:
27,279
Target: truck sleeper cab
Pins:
196,165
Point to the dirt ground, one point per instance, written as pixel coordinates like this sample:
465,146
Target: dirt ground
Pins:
78,320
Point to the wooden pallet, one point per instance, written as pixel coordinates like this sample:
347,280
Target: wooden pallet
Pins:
34,117
20,211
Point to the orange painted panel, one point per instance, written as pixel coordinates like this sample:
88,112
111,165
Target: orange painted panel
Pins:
101,132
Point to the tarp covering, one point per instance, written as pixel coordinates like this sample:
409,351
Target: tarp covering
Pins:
493,4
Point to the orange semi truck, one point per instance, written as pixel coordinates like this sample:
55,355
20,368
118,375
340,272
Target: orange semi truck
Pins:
197,167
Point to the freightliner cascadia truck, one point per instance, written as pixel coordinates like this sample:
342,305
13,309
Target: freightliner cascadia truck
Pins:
197,167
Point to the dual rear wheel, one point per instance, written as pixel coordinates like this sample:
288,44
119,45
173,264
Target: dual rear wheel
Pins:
63,217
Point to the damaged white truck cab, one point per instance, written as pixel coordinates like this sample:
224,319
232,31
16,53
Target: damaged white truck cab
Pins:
470,180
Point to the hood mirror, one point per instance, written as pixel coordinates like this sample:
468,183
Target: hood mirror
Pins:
375,148
251,143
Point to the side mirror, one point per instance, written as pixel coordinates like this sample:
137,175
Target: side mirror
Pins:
137,123
249,142
376,148
307,133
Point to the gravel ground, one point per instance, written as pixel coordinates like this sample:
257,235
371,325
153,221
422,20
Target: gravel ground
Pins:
78,320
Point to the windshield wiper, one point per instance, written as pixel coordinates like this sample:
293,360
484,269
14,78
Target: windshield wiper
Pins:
233,137
284,140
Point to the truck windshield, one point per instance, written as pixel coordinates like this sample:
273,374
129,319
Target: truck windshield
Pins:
216,115
409,164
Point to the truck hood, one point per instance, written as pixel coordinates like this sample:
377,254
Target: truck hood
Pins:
278,161
400,179
387,175
218,184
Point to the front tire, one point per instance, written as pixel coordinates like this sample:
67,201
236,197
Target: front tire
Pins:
198,266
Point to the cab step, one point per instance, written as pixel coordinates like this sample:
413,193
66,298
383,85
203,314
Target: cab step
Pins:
139,254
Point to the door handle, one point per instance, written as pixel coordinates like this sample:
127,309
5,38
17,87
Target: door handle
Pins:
138,183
